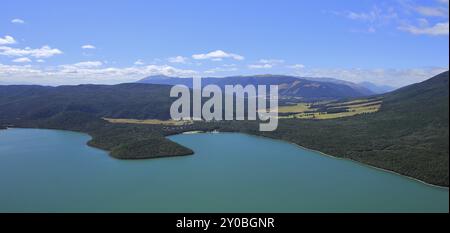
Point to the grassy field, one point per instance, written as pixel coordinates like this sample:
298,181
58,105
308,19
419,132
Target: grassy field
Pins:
319,110
297,108
330,109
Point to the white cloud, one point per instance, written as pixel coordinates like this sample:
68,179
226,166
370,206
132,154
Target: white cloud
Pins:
88,64
43,52
260,66
266,63
406,16
22,60
392,77
40,60
7,40
96,72
271,61
229,65
375,16
436,30
426,14
217,55
220,69
423,22
84,72
297,66
177,59
18,21
88,46
139,62
432,11
357,16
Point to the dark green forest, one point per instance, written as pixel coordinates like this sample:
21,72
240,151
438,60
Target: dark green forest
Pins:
408,135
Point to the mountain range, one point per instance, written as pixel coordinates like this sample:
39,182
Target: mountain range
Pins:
378,89
149,98
288,86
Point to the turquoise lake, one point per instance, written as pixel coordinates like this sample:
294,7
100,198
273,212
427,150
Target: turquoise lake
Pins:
55,171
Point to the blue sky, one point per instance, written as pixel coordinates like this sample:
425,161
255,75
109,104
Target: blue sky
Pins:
395,42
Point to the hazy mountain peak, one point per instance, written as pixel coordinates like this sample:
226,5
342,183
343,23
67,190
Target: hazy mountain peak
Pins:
378,89
161,76
289,86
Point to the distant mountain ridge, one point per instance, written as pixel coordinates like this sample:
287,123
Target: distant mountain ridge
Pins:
289,86
378,89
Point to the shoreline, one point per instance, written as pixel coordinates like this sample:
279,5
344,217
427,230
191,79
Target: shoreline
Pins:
371,166
108,152
251,135
360,163
193,132
339,158
196,132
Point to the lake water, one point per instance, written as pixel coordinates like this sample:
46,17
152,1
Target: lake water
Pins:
55,171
